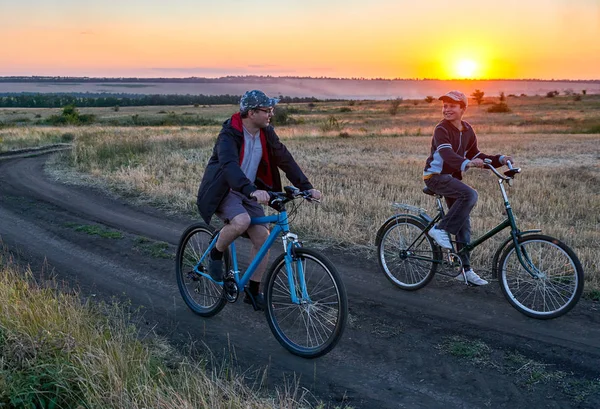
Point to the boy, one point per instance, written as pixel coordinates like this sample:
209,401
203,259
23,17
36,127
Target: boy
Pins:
453,151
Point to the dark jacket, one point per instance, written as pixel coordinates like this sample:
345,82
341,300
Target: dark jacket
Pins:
223,171
452,149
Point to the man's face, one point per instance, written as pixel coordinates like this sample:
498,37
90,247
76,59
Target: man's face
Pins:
261,117
452,111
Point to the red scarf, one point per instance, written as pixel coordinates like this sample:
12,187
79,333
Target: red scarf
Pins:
263,172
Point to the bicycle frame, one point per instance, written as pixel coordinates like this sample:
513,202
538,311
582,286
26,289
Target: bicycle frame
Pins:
510,221
290,241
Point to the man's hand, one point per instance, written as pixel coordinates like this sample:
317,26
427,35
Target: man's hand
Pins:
475,163
315,194
261,196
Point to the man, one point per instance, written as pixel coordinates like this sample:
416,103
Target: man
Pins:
243,167
453,151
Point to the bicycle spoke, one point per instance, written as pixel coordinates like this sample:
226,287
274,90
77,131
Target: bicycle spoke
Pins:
406,254
311,326
556,286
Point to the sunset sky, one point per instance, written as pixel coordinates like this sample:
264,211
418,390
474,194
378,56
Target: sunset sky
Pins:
546,39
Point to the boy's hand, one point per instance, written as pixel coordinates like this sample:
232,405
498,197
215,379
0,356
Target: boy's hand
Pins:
507,158
475,163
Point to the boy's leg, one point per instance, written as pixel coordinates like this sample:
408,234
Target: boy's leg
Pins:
464,197
463,236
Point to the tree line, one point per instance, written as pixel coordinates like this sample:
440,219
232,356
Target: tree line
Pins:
59,100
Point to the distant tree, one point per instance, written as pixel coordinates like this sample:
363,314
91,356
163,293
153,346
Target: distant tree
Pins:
583,91
478,96
551,94
429,99
502,97
394,106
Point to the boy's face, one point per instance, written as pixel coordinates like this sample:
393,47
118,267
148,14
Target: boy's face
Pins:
452,111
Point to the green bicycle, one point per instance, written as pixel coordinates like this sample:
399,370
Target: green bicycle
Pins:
539,275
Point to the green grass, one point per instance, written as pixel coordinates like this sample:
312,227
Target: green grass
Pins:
95,230
59,353
524,370
155,249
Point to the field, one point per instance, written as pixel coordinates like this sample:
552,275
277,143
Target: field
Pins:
362,155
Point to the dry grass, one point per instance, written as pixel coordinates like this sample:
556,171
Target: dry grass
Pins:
373,158
57,352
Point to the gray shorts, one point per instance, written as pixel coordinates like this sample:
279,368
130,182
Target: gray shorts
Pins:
236,203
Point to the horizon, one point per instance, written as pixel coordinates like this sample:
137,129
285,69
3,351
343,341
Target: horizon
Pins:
384,39
268,76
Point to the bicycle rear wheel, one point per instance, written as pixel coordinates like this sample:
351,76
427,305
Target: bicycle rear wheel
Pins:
406,255
314,325
556,291
202,295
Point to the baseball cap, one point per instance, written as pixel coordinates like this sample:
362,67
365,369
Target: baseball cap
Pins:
456,96
256,99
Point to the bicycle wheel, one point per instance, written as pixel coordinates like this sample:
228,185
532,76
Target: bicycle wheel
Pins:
314,325
406,255
556,291
202,295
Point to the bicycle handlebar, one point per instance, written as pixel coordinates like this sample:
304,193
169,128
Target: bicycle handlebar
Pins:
290,193
508,175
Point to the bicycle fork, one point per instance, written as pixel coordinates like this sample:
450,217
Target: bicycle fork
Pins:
296,279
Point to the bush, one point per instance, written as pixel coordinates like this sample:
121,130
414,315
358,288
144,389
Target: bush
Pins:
394,106
331,124
345,109
429,99
282,117
499,108
551,94
71,116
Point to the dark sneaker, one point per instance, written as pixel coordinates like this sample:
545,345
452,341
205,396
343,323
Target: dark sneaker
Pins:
215,269
259,301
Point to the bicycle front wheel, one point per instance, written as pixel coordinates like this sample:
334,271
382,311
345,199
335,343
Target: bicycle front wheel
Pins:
557,288
406,255
312,324
202,295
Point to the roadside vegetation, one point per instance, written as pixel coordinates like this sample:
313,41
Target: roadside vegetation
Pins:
362,157
59,353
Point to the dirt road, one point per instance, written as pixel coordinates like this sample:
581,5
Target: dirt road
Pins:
446,346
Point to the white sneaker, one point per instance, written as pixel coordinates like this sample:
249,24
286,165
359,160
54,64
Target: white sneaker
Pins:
472,278
441,237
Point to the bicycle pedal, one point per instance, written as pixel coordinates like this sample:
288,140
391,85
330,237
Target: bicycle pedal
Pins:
231,290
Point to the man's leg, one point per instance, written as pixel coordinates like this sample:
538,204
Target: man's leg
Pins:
232,230
258,235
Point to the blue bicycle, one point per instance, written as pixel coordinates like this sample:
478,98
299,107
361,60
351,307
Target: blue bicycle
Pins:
306,302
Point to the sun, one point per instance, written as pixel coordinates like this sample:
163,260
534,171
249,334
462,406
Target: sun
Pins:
466,68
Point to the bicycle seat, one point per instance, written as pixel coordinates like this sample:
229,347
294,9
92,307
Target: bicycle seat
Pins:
429,192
